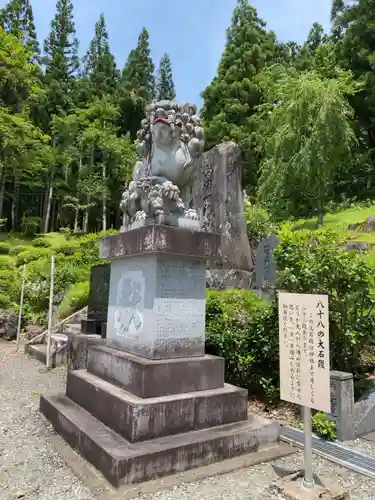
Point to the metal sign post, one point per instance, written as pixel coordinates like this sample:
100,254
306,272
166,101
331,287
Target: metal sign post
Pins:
308,480
21,307
50,311
304,361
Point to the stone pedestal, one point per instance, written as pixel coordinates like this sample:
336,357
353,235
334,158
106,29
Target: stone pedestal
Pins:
150,402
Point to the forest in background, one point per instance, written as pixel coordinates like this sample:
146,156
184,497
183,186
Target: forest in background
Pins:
302,114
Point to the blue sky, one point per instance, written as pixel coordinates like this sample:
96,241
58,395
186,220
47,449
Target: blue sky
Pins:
192,32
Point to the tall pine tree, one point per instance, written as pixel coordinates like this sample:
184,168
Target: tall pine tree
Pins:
61,65
138,75
357,54
99,63
165,87
137,85
17,18
230,100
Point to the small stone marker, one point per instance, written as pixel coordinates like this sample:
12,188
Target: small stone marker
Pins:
304,350
265,263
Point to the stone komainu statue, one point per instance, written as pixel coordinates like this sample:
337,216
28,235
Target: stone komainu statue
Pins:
171,142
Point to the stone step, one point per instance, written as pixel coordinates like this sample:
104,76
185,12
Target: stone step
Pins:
123,462
59,337
138,419
39,352
71,328
148,378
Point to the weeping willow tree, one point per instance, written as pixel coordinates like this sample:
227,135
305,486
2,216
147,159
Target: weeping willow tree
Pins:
305,136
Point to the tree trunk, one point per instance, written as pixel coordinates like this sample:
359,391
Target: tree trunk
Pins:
87,209
85,224
15,205
320,206
76,211
2,192
47,206
53,217
48,196
104,199
76,215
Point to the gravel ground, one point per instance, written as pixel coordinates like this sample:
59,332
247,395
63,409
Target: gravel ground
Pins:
31,469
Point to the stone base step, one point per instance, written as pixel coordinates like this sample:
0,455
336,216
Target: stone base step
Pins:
123,462
39,352
149,378
138,419
69,328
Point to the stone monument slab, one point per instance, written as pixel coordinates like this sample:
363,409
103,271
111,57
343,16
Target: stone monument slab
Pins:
265,263
219,199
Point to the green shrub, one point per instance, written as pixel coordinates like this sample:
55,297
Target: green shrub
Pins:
18,249
258,223
38,284
32,254
67,248
41,243
5,301
317,263
75,299
4,248
30,225
88,252
324,427
66,231
242,328
10,282
6,262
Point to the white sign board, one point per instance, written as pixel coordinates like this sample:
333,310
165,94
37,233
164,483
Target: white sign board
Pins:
304,350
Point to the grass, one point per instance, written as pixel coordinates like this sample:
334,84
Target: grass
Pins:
339,222
15,239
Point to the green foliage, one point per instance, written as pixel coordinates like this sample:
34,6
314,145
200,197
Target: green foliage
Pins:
306,136
18,249
69,248
75,299
32,254
138,73
243,329
41,243
10,283
38,280
17,19
317,263
324,427
4,248
99,63
18,75
259,223
230,100
5,301
6,262
30,226
165,89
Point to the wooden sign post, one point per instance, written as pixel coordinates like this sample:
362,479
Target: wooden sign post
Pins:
304,360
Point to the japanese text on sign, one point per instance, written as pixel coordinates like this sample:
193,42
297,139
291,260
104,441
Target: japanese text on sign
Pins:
304,350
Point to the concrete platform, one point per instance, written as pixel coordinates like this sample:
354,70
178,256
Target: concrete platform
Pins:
149,378
122,462
138,419
291,487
